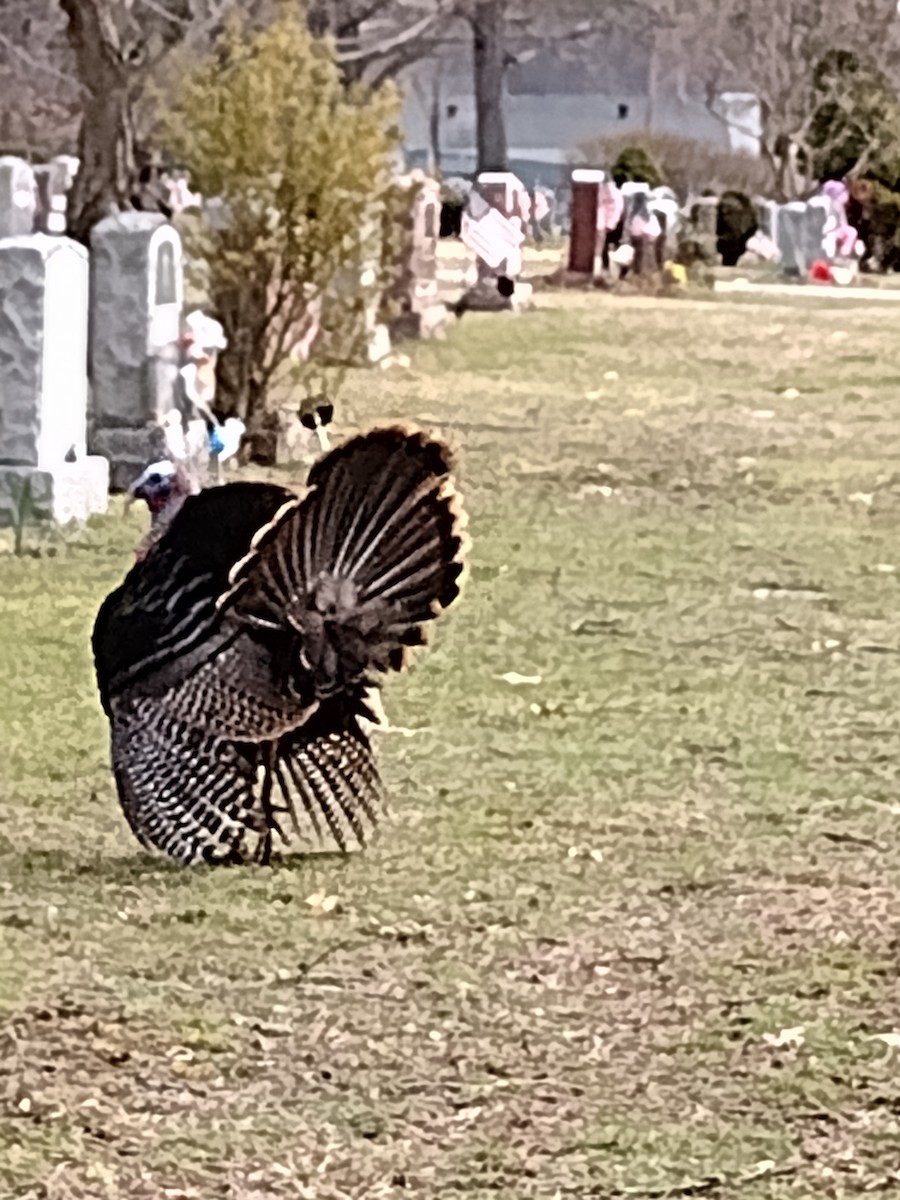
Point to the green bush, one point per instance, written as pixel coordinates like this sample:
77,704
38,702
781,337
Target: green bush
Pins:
300,168
856,133
736,223
634,165
857,122
886,227
880,224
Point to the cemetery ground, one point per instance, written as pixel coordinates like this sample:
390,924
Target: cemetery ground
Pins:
633,927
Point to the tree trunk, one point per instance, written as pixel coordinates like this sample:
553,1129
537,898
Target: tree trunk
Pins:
318,18
770,158
782,156
106,136
488,20
244,306
323,21
352,69
652,84
434,123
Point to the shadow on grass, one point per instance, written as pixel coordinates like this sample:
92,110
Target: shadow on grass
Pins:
297,860
65,865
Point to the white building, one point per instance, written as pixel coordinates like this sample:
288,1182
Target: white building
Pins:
554,104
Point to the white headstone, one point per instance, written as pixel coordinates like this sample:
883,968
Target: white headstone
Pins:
43,378
136,299
792,241
818,211
767,217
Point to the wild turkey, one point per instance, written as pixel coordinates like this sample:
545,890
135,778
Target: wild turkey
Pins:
235,662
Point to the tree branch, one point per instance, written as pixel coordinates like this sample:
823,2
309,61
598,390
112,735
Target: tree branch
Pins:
34,63
92,20
388,45
359,16
167,14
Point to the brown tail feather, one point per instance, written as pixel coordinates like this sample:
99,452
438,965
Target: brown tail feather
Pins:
333,779
371,555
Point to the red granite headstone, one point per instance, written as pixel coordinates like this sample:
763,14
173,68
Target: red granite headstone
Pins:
583,235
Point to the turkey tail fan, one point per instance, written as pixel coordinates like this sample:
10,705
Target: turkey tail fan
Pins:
372,553
329,781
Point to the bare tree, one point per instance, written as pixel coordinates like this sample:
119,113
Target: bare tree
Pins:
38,89
115,48
378,38
491,56
375,39
774,51
500,34
106,135
118,50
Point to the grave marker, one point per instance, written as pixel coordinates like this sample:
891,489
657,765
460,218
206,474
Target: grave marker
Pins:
414,288
43,381
137,296
493,228
584,234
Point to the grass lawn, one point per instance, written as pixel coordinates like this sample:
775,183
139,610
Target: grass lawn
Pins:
632,930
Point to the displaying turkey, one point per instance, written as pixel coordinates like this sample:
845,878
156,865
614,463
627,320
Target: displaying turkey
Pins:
235,662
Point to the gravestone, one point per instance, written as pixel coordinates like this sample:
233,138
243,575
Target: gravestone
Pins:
585,202
767,217
665,207
43,382
818,211
704,212
498,207
563,212
70,165
543,212
698,237
793,239
506,193
369,282
136,300
18,197
414,289
52,181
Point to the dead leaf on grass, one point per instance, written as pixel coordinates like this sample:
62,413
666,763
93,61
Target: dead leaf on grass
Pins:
795,1036
891,1040
321,903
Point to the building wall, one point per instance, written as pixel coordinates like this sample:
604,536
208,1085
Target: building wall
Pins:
552,106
